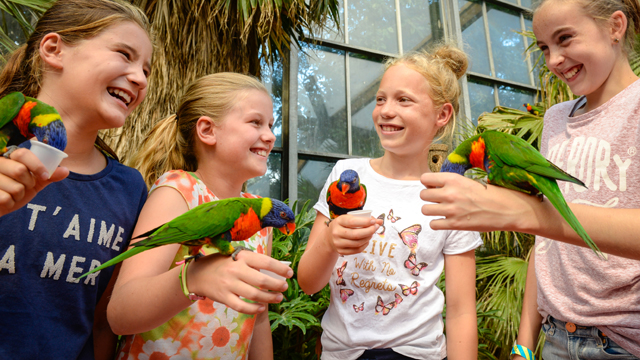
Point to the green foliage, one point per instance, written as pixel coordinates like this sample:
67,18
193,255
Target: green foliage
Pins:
18,18
295,322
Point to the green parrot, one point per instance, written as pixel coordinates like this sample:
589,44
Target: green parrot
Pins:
23,117
513,163
215,223
534,110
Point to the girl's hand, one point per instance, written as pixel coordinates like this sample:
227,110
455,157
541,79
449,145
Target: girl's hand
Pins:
22,177
469,205
224,280
349,235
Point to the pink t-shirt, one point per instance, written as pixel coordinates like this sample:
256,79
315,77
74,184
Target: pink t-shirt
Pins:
601,149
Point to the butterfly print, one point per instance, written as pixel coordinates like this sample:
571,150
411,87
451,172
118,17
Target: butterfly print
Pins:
391,217
412,264
340,271
410,290
383,308
381,229
357,309
409,236
344,294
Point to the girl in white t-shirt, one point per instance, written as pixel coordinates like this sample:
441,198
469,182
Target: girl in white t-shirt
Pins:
383,272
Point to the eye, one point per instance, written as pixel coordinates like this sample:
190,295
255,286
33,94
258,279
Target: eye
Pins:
271,125
563,38
404,99
125,54
283,214
379,99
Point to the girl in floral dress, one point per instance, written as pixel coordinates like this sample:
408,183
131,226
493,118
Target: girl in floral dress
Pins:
220,137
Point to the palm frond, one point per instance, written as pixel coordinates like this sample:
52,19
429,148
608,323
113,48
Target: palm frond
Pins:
21,14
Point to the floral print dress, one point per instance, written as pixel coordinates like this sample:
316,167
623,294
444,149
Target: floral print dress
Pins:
206,329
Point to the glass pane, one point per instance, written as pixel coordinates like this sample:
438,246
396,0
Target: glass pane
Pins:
12,28
507,46
421,25
272,80
535,55
268,185
331,31
311,178
473,36
322,120
481,99
372,24
526,3
365,76
514,98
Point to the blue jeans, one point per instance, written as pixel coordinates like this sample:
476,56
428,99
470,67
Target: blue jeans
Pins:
383,354
584,343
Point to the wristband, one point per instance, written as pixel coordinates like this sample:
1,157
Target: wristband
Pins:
182,275
523,351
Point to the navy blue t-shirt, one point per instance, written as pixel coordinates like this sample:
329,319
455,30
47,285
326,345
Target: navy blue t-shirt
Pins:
70,227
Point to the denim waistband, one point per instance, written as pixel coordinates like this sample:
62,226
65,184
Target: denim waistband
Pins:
580,330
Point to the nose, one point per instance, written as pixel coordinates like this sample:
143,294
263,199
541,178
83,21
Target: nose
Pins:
387,110
268,136
554,58
137,76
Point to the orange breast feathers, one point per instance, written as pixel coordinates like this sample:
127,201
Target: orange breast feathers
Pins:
23,118
476,158
245,226
346,201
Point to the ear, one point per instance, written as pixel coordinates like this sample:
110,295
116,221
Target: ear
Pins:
206,130
51,48
444,115
618,23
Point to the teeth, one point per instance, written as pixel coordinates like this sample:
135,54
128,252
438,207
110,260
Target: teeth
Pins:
389,128
260,152
570,74
121,94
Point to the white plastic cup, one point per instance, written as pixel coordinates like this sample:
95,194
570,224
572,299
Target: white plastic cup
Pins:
274,275
48,155
360,213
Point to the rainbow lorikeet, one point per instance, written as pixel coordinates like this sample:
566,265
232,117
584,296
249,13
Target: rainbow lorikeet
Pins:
533,110
23,117
346,194
513,163
215,223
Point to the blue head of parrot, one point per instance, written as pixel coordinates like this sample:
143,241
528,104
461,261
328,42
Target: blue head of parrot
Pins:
349,182
280,216
53,134
457,168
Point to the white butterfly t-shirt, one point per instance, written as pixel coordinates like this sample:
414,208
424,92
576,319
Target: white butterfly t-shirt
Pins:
386,296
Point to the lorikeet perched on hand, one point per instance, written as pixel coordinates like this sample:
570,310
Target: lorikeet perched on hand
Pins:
346,194
22,118
214,223
513,163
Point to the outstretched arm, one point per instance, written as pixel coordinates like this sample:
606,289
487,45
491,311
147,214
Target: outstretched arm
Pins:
345,235
146,294
469,205
462,320
22,177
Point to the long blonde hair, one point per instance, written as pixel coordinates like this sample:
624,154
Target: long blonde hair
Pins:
170,145
74,21
601,10
441,67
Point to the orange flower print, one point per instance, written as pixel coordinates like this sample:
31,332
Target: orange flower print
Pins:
259,249
161,349
219,336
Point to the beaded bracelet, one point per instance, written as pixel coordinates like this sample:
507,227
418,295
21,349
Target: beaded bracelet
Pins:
523,351
182,275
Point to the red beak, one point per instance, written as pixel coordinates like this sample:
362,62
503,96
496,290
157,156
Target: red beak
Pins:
344,189
288,229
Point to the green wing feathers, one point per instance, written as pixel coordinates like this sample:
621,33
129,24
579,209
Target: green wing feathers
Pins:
551,190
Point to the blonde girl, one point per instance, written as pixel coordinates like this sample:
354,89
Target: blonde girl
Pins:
219,138
90,60
384,300
588,308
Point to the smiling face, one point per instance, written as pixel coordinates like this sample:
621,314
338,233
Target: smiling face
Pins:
405,116
244,138
102,79
577,49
